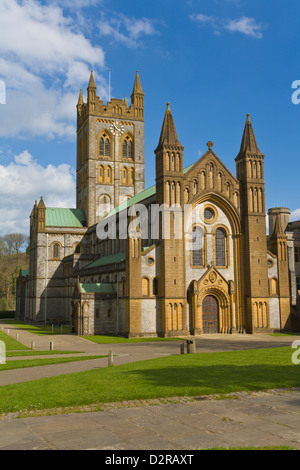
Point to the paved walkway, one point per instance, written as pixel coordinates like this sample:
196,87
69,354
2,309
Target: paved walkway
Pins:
123,353
258,419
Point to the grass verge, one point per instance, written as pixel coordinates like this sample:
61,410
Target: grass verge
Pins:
11,343
39,330
38,353
24,363
174,376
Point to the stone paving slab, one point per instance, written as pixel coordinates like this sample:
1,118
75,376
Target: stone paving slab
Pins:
189,424
257,419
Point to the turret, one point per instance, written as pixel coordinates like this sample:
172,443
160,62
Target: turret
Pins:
278,245
91,94
137,97
169,190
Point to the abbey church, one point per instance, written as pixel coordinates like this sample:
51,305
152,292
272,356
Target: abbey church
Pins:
188,256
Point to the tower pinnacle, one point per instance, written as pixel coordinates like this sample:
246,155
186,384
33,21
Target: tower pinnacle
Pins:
168,135
248,144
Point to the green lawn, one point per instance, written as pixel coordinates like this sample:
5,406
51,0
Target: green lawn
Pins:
99,339
39,330
10,343
15,349
174,376
20,364
37,353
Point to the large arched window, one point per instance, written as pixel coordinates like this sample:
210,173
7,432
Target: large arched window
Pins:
106,149
130,149
101,147
197,246
220,247
127,147
104,146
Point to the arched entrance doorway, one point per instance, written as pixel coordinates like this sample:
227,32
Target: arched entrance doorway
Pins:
210,314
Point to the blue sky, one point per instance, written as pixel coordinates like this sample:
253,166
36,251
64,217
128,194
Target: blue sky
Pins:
214,61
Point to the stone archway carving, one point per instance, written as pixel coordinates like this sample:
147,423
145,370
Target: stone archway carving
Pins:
212,284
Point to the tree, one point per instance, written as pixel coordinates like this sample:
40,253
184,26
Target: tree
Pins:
12,243
12,259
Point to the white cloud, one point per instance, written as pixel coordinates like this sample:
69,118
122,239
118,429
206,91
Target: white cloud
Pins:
243,25
75,4
202,18
246,26
23,181
295,215
42,37
126,30
44,60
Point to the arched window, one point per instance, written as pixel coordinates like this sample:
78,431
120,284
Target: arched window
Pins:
55,250
101,146
104,146
108,179
101,174
124,175
145,286
220,247
197,246
107,148
77,248
104,206
131,176
127,147
130,149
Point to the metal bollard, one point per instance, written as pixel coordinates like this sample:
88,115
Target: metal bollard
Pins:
51,345
32,345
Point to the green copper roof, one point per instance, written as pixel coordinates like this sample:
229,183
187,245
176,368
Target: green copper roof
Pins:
134,200
116,258
58,217
97,288
139,197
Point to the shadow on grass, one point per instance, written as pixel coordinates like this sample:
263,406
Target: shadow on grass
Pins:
115,384
217,378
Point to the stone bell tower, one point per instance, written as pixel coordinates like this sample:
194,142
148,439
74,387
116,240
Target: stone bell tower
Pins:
110,151
250,172
169,191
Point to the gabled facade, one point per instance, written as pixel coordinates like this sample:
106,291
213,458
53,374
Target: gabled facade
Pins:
190,255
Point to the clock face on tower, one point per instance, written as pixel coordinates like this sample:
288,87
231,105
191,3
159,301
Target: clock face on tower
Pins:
116,128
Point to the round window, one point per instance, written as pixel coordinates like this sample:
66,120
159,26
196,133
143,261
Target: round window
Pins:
208,214
150,261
